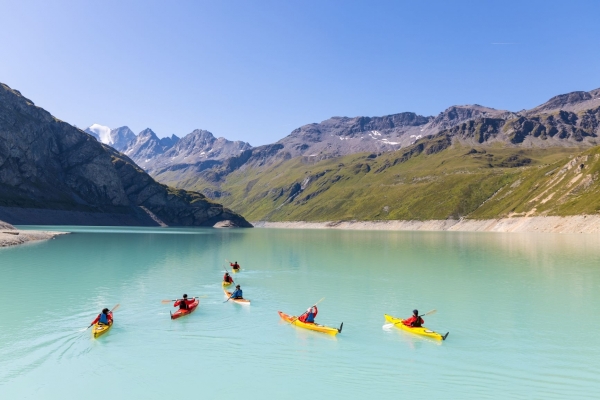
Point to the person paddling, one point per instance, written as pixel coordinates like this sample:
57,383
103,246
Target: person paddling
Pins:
309,316
104,318
235,266
227,278
237,294
184,304
415,321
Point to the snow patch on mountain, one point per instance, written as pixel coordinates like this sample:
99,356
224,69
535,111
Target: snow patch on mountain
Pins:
101,132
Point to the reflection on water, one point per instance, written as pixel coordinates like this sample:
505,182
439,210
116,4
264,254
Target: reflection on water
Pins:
507,300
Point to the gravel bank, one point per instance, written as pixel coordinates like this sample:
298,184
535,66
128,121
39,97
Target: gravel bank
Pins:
10,236
572,224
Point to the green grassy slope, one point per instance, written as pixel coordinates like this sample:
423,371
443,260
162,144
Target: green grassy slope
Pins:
431,182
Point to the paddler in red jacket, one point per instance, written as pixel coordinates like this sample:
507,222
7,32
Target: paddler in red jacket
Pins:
309,316
184,304
235,265
227,278
415,321
104,318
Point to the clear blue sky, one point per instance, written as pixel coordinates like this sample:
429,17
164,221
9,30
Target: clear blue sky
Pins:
256,70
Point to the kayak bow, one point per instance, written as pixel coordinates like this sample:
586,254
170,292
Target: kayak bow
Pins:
312,326
422,331
180,313
225,284
100,329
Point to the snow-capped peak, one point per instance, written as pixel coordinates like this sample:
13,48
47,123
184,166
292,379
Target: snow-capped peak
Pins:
102,133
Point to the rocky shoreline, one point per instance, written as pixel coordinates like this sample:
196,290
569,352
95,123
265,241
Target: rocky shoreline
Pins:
11,236
570,224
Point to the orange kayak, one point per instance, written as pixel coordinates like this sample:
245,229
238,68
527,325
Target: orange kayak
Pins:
239,301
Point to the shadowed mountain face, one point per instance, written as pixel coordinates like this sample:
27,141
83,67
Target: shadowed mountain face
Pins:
48,164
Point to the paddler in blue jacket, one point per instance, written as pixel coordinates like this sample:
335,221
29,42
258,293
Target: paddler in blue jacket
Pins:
309,316
104,318
237,294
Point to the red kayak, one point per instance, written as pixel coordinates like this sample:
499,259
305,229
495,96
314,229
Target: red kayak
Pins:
181,313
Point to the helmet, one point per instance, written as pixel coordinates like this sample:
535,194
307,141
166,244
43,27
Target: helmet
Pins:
416,312
185,296
104,311
237,286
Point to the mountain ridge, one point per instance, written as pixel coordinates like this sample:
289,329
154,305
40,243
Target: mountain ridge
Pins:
49,164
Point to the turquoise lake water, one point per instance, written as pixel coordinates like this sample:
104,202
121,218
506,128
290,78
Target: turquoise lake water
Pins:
521,309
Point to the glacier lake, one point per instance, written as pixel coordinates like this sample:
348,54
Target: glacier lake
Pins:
521,309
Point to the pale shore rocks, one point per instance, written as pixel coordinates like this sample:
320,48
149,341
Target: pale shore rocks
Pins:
14,237
571,224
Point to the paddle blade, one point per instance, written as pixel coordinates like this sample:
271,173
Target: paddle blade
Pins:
167,301
387,327
430,312
319,301
115,308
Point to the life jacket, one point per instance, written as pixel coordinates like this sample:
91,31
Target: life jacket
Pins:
309,315
183,305
103,319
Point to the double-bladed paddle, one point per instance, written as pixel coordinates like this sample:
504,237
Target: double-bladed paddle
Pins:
170,301
386,326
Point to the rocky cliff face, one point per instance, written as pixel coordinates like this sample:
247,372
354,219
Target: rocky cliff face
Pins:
46,163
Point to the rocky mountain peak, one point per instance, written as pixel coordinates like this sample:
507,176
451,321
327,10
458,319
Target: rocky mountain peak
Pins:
460,113
147,134
168,142
574,102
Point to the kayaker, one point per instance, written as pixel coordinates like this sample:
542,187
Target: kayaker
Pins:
415,321
184,304
235,265
237,294
104,318
309,316
227,278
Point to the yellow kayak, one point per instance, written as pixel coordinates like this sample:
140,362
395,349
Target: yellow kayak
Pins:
313,327
225,284
100,329
423,331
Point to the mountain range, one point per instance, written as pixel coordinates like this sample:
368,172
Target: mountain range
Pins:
54,173
344,168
